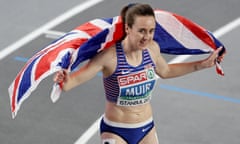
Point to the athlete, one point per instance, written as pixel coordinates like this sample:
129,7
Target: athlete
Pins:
130,69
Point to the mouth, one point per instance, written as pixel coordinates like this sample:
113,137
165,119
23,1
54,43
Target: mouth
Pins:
143,43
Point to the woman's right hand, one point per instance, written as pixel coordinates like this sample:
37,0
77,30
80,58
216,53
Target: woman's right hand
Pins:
61,76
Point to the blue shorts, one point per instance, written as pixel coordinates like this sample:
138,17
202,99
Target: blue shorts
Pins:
131,133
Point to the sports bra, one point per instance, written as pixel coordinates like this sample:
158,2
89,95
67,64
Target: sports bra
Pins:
130,85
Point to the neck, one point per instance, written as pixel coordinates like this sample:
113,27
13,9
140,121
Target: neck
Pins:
133,55
131,50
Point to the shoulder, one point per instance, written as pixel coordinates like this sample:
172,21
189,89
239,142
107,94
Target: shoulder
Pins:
154,47
154,50
106,53
106,57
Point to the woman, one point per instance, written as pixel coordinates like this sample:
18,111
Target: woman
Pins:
130,69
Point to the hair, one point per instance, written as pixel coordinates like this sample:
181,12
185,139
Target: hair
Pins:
130,11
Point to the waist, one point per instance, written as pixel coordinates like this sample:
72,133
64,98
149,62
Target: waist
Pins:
122,114
127,125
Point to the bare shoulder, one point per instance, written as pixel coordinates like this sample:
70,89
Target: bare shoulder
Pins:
154,47
106,59
154,50
105,55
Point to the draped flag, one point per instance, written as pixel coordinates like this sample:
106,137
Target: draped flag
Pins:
174,34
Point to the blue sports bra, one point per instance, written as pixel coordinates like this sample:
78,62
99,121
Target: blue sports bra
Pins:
129,85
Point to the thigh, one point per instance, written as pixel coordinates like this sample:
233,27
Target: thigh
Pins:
110,138
150,138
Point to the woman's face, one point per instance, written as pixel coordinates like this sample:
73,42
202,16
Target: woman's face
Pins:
142,31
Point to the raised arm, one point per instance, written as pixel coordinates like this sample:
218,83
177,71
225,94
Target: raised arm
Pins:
165,70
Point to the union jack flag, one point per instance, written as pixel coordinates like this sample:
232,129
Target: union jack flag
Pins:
174,33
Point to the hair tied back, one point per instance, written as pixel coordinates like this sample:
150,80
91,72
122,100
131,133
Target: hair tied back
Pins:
131,4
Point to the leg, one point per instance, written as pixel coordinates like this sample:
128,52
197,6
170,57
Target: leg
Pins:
150,138
109,138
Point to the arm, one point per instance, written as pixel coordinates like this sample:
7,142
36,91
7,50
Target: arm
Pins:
83,74
165,70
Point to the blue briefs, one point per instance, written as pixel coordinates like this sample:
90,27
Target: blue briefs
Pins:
131,133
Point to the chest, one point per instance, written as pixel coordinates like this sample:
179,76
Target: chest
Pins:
135,88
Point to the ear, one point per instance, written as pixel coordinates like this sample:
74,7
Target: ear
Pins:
126,28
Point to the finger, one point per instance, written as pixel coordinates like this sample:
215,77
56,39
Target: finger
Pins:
220,55
220,59
59,76
222,51
219,49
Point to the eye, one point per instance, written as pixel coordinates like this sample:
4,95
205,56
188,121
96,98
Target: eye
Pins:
152,31
142,31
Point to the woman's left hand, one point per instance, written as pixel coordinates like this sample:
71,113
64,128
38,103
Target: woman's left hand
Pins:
213,58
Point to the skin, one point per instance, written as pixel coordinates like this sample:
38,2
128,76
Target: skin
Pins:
139,37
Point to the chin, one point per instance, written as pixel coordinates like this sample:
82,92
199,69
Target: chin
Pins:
143,46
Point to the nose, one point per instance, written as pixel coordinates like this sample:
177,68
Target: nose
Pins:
147,35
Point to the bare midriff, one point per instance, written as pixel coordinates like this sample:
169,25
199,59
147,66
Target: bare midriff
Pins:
128,114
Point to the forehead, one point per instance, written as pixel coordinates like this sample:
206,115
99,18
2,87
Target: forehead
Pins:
144,21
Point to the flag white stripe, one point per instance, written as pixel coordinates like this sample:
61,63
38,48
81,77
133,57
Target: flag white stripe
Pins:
180,32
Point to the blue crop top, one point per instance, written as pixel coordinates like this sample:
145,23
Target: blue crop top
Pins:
129,85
